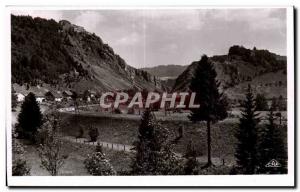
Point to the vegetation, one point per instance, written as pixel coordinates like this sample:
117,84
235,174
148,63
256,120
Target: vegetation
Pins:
13,99
50,151
213,105
30,118
261,103
271,148
97,164
154,155
247,136
262,58
19,164
38,53
191,164
93,133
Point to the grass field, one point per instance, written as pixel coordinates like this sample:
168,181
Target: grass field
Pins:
74,163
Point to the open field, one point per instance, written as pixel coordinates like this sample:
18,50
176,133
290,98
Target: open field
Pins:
74,163
123,130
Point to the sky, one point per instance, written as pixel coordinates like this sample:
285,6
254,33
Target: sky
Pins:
151,37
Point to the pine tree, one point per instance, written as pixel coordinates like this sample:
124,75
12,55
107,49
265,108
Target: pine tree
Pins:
154,155
30,118
261,102
271,148
213,105
246,152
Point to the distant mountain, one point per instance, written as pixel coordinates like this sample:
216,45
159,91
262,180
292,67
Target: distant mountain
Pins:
166,71
264,70
66,56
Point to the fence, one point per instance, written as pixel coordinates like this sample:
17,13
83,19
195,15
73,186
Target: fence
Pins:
108,145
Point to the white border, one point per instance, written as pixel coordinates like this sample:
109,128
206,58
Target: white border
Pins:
201,180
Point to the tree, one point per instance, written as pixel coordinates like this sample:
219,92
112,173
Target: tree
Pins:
191,164
261,102
97,164
50,151
281,104
272,148
30,118
13,99
154,155
246,152
274,104
213,105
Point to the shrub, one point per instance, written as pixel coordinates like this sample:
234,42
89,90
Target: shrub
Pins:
93,133
20,168
97,164
19,164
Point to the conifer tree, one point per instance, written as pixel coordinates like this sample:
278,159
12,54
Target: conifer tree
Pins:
261,103
272,148
30,118
213,105
154,155
246,150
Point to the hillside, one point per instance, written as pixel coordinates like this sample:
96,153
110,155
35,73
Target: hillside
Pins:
166,71
241,67
65,56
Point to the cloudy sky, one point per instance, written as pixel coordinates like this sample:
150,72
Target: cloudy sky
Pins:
159,37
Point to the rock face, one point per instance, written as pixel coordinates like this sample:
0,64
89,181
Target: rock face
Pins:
265,71
66,56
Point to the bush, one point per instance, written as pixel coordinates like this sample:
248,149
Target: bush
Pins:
20,167
93,133
19,164
97,164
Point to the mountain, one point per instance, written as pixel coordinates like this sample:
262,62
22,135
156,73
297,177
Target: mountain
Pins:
265,71
166,71
66,56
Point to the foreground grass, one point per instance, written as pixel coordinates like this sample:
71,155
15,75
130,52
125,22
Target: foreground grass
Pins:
74,163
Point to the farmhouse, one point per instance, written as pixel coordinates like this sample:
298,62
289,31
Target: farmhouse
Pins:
20,97
40,97
67,95
57,96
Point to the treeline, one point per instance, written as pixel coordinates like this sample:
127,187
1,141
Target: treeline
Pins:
261,58
38,52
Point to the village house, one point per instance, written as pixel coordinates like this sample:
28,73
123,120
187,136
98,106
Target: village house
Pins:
20,97
67,95
49,96
40,97
57,96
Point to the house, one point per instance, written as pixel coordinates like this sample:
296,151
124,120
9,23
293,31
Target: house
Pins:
49,96
67,95
57,96
20,97
93,93
40,97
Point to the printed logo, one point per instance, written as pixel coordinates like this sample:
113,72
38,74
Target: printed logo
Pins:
273,163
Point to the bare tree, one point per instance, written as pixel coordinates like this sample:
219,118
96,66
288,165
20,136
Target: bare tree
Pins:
50,151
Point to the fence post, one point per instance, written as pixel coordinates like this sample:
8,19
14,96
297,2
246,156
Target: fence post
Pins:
124,147
112,146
